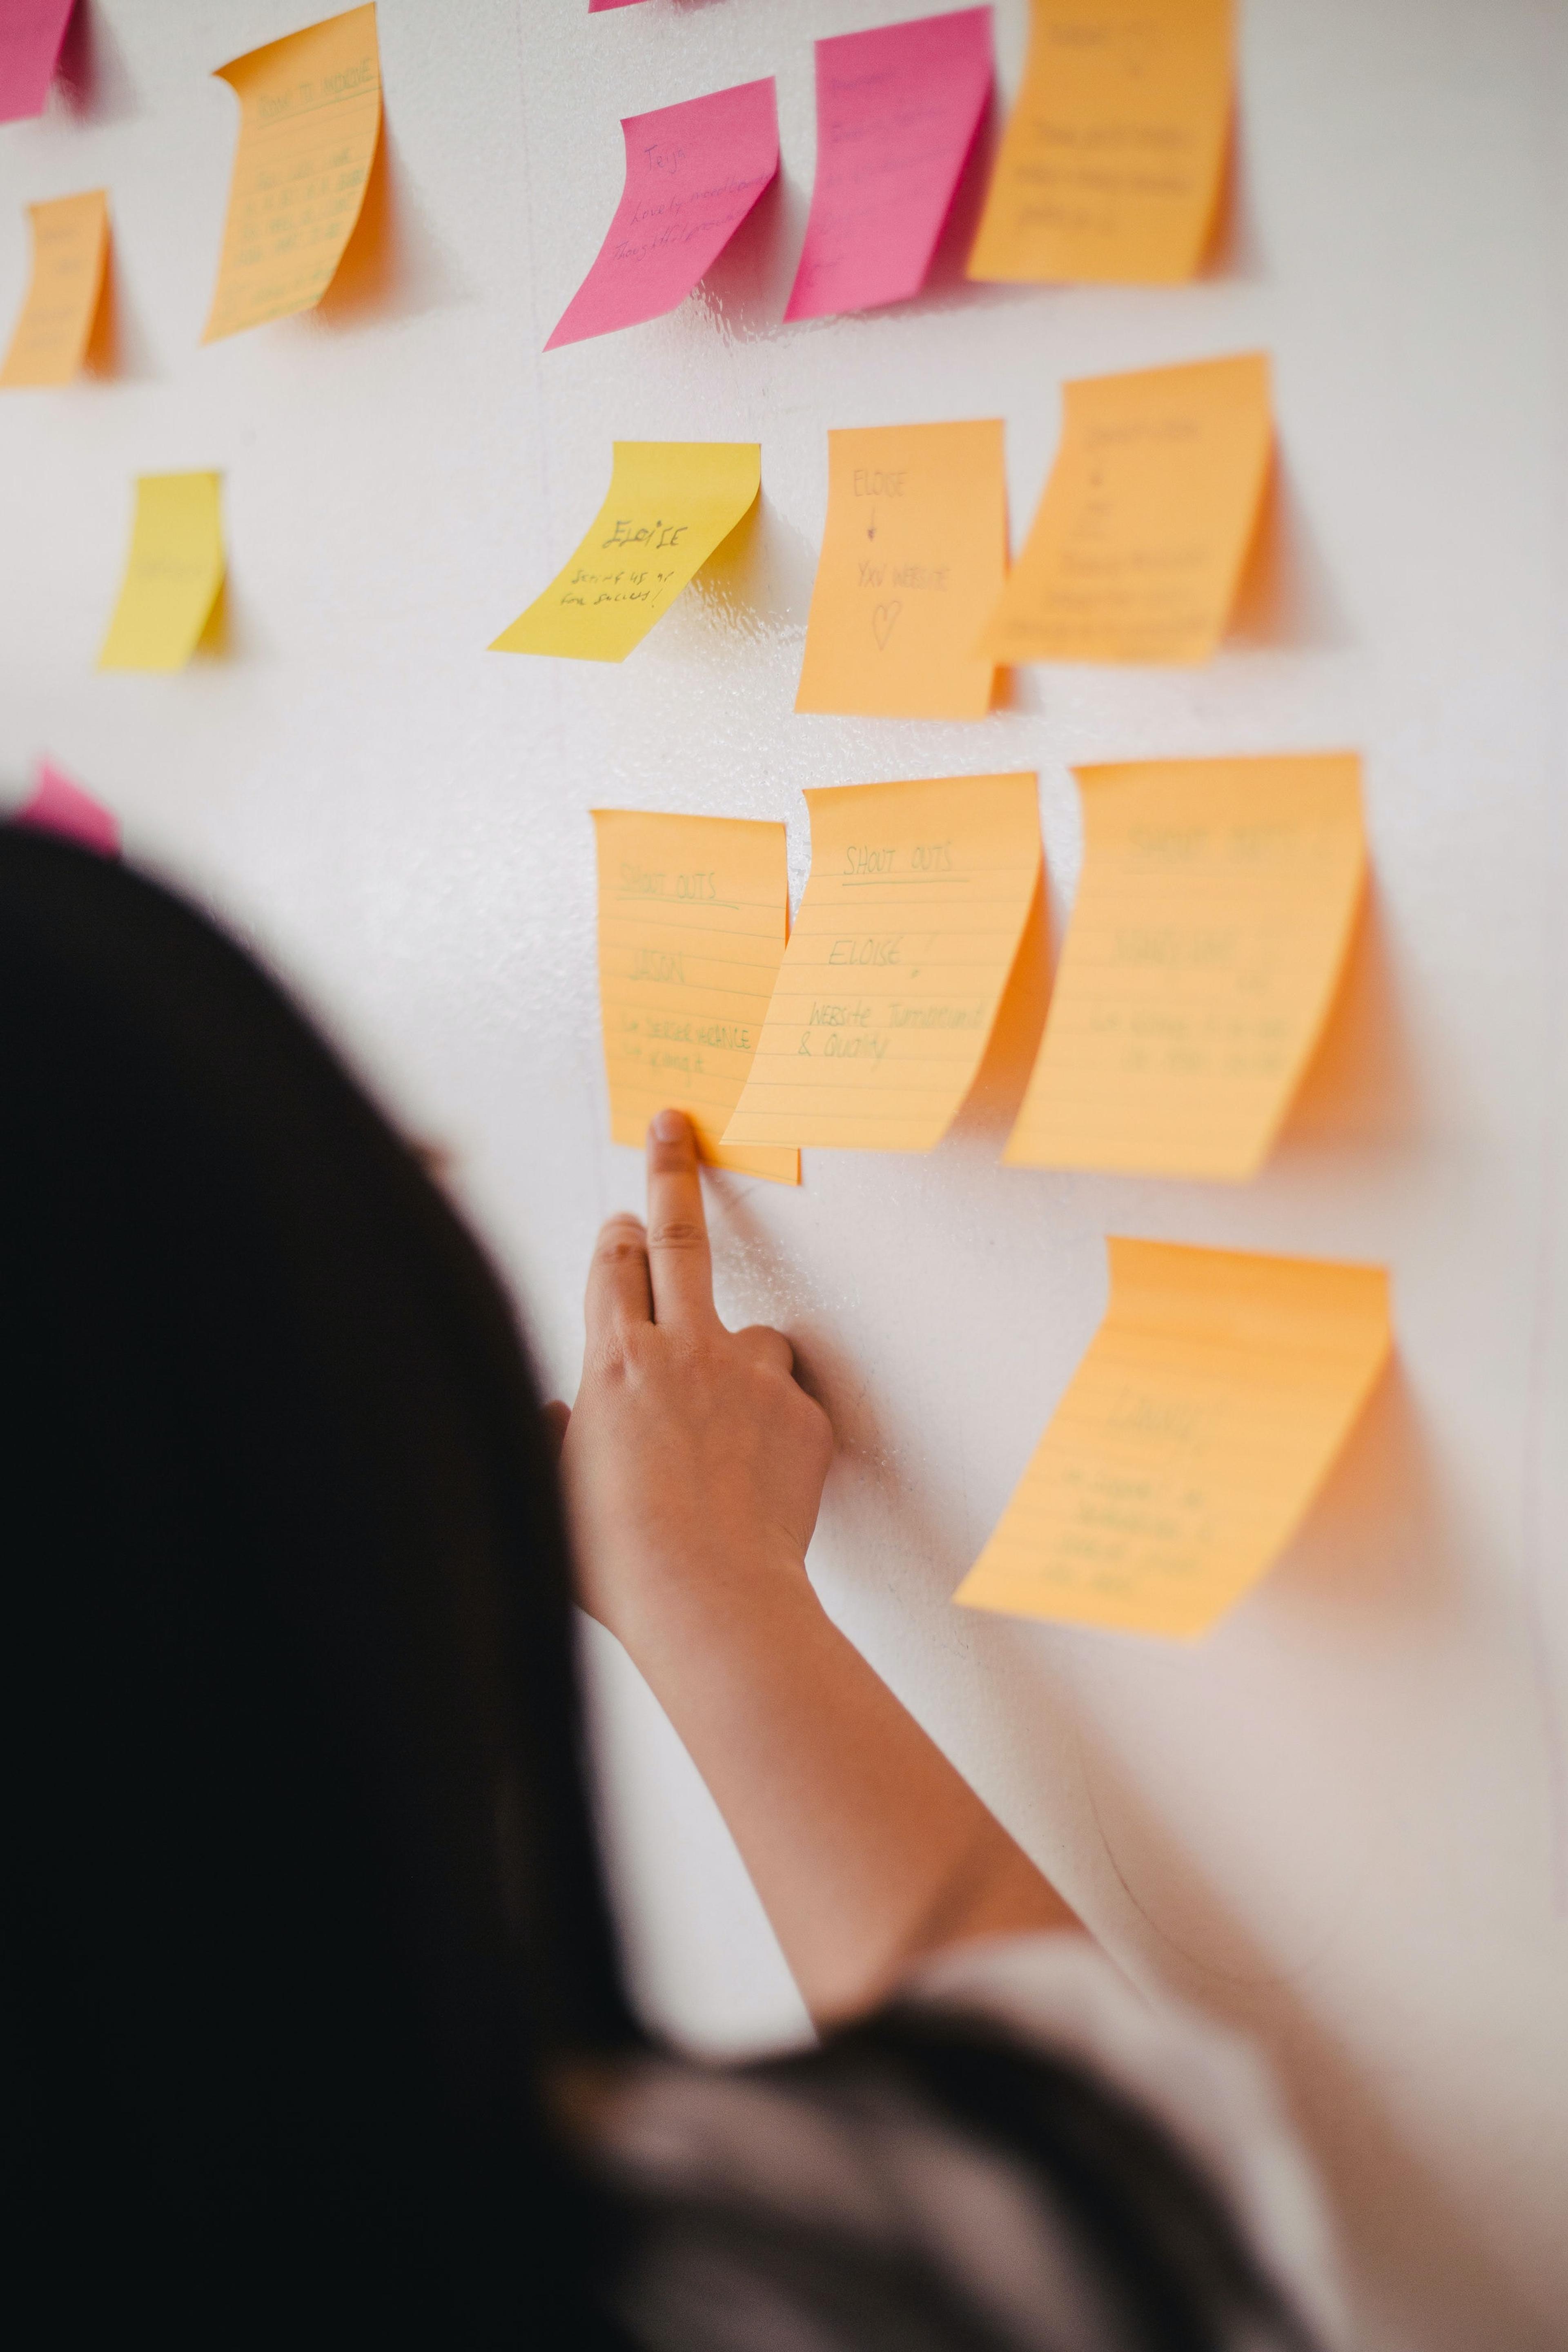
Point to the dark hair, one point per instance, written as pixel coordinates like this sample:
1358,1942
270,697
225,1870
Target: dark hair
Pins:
302,1893
300,1886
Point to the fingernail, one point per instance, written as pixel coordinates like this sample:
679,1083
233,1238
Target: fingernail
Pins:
669,1126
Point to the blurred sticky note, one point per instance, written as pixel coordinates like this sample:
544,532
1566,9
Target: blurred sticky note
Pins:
693,916
1215,909
1190,1441
594,6
57,805
173,573
892,981
71,246
309,115
670,503
693,173
31,32
912,561
897,111
1113,159
1137,547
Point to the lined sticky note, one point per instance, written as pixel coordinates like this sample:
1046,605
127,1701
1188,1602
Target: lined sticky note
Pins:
70,247
309,115
31,32
693,915
1190,1440
173,573
669,505
1213,916
914,558
57,805
890,983
897,111
1139,543
1113,157
693,173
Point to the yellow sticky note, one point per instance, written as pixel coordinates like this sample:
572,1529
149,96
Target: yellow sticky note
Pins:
1191,1439
1139,543
173,573
914,558
693,916
309,115
71,246
669,505
892,981
1113,159
1213,916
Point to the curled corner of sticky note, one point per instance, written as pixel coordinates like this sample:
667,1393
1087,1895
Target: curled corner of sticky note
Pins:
59,806
174,574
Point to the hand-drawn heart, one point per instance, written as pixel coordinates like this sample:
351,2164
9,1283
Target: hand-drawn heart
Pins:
882,621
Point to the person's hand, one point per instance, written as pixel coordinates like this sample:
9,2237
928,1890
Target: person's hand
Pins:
693,1462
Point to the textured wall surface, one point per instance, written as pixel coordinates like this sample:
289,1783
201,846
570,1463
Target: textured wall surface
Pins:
1334,1822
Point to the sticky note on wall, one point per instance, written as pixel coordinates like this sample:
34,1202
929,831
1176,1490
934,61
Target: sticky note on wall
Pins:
173,573
913,558
693,173
1113,157
1190,1441
669,505
897,111
891,981
1215,906
1137,549
693,915
31,32
57,805
310,116
70,247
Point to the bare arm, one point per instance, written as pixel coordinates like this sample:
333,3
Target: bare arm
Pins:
694,1465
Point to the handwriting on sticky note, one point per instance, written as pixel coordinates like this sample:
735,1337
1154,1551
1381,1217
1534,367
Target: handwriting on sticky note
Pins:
173,573
1190,1441
693,915
1214,913
1112,163
310,116
892,981
897,111
71,246
913,558
693,173
670,503
57,805
1139,543
31,32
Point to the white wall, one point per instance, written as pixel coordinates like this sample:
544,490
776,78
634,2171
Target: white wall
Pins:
1332,1821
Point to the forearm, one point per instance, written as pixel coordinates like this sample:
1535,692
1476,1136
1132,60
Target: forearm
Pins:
868,1848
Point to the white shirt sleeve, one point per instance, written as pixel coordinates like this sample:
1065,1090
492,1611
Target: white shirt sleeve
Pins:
1209,2088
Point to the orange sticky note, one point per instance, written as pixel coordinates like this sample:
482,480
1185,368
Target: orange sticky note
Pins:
71,246
890,984
310,116
1112,163
693,916
914,558
1213,916
1191,1439
1139,543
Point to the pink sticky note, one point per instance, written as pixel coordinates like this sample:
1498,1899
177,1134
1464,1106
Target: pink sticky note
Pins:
59,806
897,111
594,6
31,32
693,173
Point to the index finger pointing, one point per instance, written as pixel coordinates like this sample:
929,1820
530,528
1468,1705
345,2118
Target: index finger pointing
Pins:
677,1253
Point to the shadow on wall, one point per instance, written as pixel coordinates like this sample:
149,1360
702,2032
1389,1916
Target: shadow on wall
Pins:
1426,2271
758,581
117,348
743,292
91,75
1360,1086
393,265
1285,600
1235,250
